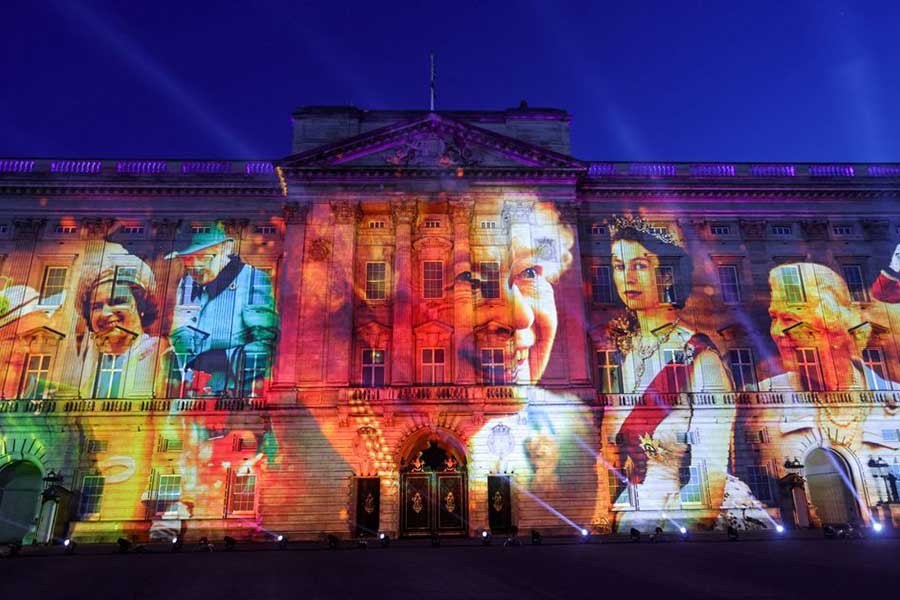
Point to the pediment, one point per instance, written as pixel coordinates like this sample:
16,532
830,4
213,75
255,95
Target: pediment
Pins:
431,142
433,327
374,334
494,328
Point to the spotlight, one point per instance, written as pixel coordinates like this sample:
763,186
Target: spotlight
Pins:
332,542
230,543
829,532
69,546
123,544
177,543
281,541
634,535
536,537
684,532
779,528
732,533
435,540
14,549
877,526
361,543
657,534
584,535
205,545
485,538
384,540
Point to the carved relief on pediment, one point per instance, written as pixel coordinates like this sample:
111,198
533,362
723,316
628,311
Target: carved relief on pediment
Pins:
430,150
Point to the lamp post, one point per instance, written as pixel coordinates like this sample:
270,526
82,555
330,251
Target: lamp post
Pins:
793,464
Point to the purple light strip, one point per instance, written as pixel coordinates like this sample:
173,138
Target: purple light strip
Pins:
206,167
16,166
651,170
831,171
79,167
772,170
601,170
259,168
884,171
141,167
712,170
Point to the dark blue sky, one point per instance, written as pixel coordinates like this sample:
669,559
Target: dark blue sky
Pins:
689,80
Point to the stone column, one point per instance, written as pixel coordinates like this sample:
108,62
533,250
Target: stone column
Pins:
402,364
463,292
338,350
572,334
287,354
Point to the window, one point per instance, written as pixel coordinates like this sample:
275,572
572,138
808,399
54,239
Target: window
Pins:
132,229
201,229
493,371
265,229
609,365
490,280
4,229
376,274
854,278
728,281
842,230
601,285
97,446
35,377
676,371
691,485
168,493
665,285
489,224
687,437
757,436
598,230
243,493
876,370
53,286
890,435
620,491
792,284
372,367
758,481
109,376
782,230
66,229
91,495
720,229
376,224
120,278
433,365
253,372
432,224
742,371
808,366
170,444
433,279
261,286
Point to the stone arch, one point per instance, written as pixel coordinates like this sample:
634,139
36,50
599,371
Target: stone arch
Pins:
21,484
831,484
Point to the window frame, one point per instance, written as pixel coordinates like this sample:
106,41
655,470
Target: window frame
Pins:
43,296
373,291
93,500
439,281
431,366
241,494
26,370
116,373
759,479
369,365
858,294
490,370
486,267
804,366
750,364
873,365
600,283
799,285
609,371
661,286
159,501
736,284
699,484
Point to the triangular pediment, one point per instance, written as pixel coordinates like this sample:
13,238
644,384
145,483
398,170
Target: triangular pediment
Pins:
431,142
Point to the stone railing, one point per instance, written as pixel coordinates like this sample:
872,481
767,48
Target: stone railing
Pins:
748,398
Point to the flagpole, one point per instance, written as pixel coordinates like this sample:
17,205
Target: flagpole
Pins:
432,81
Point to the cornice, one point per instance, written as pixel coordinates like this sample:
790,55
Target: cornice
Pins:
121,190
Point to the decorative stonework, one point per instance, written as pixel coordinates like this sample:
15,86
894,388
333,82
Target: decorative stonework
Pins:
28,228
404,212
295,213
568,212
166,229
426,149
344,212
815,230
97,228
319,250
461,210
518,211
234,228
753,230
876,229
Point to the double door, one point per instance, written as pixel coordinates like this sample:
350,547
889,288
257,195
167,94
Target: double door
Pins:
433,503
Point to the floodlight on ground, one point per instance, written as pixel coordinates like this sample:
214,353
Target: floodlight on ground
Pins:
485,538
732,533
362,543
684,532
230,542
829,532
584,535
435,540
536,537
123,544
281,541
333,541
384,540
177,543
779,528
657,533
634,535
14,549
69,545
877,526
204,544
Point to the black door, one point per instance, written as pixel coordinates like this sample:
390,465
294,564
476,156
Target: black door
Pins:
499,504
368,503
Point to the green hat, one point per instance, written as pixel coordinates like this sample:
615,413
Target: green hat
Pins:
203,240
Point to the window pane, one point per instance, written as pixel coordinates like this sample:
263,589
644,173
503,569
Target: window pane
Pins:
853,277
609,363
490,280
741,362
665,285
758,481
793,284
601,285
728,281
91,494
375,281
53,286
433,279
691,492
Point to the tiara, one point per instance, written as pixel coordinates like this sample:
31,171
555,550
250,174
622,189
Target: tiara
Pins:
638,224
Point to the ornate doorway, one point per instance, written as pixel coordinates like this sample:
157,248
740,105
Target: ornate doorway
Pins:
368,506
433,491
499,504
20,495
831,488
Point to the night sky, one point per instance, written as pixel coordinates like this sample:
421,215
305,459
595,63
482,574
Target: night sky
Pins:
687,81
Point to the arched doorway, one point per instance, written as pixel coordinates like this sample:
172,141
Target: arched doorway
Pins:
20,494
433,489
831,487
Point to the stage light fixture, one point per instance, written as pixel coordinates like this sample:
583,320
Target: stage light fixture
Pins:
281,541
584,535
779,528
435,540
877,526
14,549
384,540
123,544
69,545
732,533
362,543
332,542
177,543
485,538
204,544
657,533
634,535
230,542
536,537
684,532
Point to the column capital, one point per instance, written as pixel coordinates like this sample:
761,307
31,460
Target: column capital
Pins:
165,229
403,211
344,211
28,228
96,228
568,211
461,210
295,213
235,227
